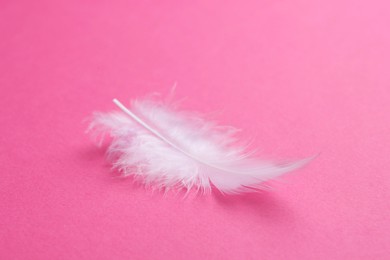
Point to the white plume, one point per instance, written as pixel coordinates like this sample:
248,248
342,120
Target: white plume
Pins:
166,148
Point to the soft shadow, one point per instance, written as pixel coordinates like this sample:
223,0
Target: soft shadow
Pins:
264,204
94,159
92,153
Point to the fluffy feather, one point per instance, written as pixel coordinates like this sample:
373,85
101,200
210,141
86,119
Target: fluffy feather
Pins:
166,148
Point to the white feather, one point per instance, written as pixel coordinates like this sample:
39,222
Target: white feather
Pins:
173,149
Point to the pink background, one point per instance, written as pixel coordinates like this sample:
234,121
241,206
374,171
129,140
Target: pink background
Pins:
301,76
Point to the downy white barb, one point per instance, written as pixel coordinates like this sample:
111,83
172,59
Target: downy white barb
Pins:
166,148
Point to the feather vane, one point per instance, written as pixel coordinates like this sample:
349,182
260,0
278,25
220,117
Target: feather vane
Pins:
167,148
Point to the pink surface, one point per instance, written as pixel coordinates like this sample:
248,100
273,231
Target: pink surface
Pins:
302,76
